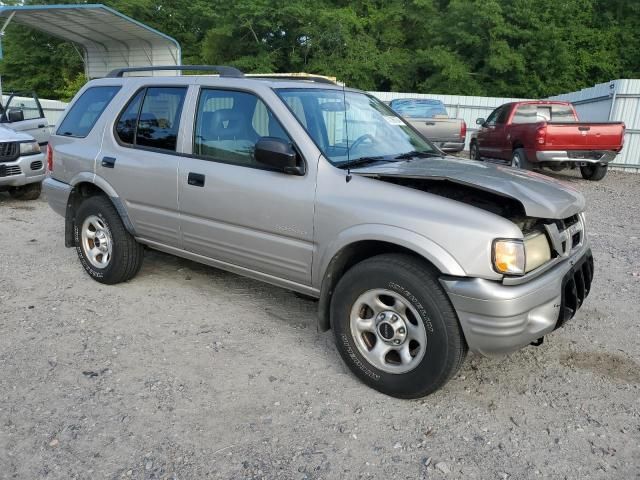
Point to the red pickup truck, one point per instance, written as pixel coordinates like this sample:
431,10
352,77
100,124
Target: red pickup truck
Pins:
547,134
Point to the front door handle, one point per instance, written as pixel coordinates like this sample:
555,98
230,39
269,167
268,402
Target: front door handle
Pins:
42,125
108,162
195,179
584,129
429,123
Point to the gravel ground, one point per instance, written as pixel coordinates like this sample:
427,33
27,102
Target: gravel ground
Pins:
190,372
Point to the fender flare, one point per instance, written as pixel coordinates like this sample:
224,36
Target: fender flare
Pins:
331,263
109,191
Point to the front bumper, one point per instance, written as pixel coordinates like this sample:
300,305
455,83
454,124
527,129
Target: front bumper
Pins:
57,195
499,319
22,171
576,156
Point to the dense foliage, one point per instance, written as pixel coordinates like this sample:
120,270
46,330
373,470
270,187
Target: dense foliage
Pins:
521,48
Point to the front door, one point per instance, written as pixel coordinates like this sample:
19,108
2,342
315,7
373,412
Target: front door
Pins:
139,161
491,139
25,114
234,209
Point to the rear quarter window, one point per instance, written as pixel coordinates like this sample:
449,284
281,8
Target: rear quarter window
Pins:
84,113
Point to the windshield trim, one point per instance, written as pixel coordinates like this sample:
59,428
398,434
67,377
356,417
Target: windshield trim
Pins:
343,165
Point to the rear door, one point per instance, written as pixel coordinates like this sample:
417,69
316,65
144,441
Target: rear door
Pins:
234,209
138,159
25,114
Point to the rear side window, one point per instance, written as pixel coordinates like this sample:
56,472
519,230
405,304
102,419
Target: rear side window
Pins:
152,118
411,108
84,113
531,113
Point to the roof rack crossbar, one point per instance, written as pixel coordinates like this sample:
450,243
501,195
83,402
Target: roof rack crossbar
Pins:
222,70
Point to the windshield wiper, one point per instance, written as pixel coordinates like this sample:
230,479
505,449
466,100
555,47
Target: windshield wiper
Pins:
416,154
365,161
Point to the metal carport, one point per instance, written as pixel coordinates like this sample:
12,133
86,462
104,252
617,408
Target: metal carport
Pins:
105,38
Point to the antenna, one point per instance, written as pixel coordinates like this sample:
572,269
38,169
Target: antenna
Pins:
346,132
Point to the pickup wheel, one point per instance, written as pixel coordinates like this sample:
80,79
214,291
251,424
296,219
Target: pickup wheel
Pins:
395,327
519,159
594,172
474,152
30,191
106,250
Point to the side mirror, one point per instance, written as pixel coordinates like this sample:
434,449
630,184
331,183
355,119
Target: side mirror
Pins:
15,115
480,121
278,154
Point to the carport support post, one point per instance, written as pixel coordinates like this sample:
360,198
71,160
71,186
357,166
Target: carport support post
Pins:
4,27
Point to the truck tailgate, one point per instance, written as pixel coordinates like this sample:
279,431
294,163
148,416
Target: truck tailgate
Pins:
438,129
583,136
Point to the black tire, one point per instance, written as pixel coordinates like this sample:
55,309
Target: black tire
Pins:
474,152
127,254
519,159
417,284
30,191
594,172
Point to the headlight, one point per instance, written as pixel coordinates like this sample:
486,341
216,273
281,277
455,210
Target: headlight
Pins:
508,257
29,148
537,251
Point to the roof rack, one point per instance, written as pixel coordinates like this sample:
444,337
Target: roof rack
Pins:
294,76
222,70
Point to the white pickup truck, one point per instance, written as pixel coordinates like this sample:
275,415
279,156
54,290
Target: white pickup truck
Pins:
24,131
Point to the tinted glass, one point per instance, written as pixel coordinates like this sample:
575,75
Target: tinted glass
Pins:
412,108
126,126
562,113
86,110
159,118
351,126
228,125
526,114
503,114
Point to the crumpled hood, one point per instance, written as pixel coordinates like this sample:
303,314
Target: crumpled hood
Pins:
7,134
541,196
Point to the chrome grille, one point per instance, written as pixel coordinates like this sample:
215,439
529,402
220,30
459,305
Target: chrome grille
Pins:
8,171
9,151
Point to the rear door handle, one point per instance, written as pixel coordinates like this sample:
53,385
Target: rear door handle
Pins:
42,125
584,129
429,123
195,179
108,162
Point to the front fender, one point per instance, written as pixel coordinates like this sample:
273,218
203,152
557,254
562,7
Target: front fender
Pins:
413,241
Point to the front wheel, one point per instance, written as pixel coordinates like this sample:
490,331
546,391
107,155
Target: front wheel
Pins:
474,152
108,253
594,172
395,327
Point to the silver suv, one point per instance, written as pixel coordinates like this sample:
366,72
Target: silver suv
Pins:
414,257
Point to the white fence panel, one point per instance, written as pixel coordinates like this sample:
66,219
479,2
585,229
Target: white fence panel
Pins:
617,100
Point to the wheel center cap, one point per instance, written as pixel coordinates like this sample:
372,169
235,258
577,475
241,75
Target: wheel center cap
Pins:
386,330
391,328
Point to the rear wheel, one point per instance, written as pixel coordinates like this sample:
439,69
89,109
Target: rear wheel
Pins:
594,172
474,152
106,250
26,192
395,327
519,159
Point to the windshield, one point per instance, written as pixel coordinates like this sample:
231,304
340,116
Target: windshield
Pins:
413,108
353,127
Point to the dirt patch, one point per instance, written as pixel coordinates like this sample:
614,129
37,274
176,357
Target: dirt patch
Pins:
190,372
